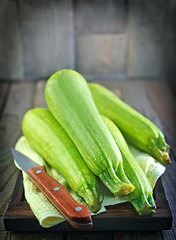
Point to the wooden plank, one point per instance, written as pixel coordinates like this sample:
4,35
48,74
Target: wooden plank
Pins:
6,193
35,236
11,62
134,93
144,49
52,236
3,235
169,183
39,99
101,54
1,224
47,31
3,95
20,99
26,236
6,175
164,104
169,45
144,235
114,86
90,235
18,102
100,17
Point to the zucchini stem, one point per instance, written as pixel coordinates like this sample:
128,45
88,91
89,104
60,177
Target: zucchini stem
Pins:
115,185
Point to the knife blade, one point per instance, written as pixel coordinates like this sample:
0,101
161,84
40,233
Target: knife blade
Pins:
76,214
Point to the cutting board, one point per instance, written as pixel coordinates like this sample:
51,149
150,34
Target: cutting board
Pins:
123,217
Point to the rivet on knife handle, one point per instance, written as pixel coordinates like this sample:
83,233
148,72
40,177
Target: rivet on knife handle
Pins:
75,213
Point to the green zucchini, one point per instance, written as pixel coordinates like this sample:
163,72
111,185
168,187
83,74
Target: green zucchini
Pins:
142,196
137,129
53,144
70,101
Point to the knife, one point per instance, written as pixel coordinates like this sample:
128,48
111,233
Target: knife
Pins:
76,214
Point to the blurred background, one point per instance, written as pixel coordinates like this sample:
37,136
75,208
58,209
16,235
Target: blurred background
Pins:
102,39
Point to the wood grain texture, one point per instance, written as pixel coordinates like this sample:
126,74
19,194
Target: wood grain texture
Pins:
47,37
101,53
26,236
134,93
11,60
169,183
10,131
169,48
164,104
3,235
19,101
135,235
34,236
6,174
100,16
144,49
6,193
4,87
38,38
89,235
39,98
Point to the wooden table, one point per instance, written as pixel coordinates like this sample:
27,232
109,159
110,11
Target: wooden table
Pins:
152,98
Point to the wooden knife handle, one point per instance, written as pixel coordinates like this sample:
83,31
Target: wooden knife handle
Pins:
75,213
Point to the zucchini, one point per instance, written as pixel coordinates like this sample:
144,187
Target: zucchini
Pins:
70,101
152,168
137,129
142,196
53,144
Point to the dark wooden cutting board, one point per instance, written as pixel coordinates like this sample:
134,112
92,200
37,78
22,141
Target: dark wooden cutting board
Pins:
123,217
